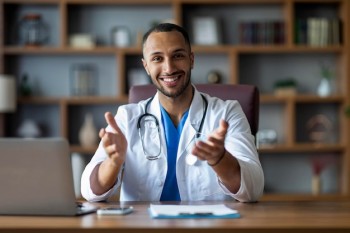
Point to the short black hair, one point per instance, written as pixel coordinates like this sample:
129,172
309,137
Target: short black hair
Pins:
167,27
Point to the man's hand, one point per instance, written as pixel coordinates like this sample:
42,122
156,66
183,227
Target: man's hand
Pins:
104,175
114,143
213,148
223,163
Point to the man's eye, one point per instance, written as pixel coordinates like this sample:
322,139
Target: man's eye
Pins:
177,56
157,59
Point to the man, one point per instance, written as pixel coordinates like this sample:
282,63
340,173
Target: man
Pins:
224,166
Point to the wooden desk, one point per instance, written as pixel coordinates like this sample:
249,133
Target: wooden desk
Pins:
282,217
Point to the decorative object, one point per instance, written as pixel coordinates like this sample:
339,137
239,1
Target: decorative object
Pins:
29,129
83,79
214,76
88,132
319,163
206,30
325,88
316,184
120,36
32,30
25,88
7,93
319,128
266,137
285,87
85,41
137,76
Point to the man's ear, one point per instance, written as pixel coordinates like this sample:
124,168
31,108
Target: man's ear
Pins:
144,63
192,59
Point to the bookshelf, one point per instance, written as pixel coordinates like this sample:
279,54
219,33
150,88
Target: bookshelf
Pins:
287,162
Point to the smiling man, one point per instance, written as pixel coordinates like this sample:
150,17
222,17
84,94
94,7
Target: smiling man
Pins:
148,142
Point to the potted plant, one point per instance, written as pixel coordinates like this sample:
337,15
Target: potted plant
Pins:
324,88
285,87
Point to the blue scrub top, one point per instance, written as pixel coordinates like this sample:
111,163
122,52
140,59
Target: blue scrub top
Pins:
172,135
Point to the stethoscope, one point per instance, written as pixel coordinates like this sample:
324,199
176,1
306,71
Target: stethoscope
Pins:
152,122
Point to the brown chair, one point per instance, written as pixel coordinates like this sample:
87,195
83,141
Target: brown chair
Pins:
247,96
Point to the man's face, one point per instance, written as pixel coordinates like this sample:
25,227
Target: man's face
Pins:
168,60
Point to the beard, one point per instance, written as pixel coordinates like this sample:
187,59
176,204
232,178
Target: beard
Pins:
179,91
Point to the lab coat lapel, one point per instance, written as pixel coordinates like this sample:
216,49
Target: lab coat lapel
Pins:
192,124
154,109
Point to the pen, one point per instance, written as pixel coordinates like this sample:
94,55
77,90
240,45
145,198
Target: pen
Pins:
197,214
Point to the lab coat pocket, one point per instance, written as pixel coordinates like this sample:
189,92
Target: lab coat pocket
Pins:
204,183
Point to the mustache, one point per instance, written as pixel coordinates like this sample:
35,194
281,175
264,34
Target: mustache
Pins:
172,74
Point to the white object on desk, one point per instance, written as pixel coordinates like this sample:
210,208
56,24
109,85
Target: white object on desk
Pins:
192,211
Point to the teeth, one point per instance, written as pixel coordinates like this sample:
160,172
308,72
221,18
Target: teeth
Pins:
170,79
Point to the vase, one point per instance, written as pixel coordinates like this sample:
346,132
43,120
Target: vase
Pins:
29,129
324,88
316,184
88,132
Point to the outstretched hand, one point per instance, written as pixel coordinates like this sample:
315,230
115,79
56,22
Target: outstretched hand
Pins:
213,148
114,143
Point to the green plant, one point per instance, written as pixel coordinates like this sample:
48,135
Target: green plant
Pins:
326,72
285,83
347,111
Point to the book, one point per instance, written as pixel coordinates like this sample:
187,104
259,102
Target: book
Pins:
192,211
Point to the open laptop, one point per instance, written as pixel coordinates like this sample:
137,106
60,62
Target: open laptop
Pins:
36,178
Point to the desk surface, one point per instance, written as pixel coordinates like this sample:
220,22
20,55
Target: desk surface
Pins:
256,217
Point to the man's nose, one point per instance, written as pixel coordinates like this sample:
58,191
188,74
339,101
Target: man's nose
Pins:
168,66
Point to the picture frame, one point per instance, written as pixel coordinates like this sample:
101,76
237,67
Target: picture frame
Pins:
206,30
137,76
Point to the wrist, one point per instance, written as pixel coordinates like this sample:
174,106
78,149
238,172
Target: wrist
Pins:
218,160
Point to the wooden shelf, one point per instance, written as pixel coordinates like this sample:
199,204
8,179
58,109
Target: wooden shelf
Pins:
238,63
17,50
121,2
31,2
301,98
301,147
88,100
267,49
91,100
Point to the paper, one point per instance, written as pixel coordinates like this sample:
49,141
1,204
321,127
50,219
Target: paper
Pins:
192,211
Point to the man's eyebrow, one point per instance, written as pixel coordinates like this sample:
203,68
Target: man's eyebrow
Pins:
155,53
175,51
179,50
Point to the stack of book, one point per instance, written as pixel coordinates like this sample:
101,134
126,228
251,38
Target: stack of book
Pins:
262,32
318,32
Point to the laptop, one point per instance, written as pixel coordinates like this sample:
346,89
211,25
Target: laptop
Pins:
36,178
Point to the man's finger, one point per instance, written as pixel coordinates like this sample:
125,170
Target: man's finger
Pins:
222,129
101,133
111,121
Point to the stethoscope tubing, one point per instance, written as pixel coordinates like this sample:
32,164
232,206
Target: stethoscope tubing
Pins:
146,114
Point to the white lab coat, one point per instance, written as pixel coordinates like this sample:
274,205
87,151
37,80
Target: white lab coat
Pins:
143,179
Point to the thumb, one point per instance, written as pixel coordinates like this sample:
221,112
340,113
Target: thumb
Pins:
222,129
111,121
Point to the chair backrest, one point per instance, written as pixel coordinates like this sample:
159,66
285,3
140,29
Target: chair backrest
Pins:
246,95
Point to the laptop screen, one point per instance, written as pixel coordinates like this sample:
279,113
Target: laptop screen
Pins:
36,177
